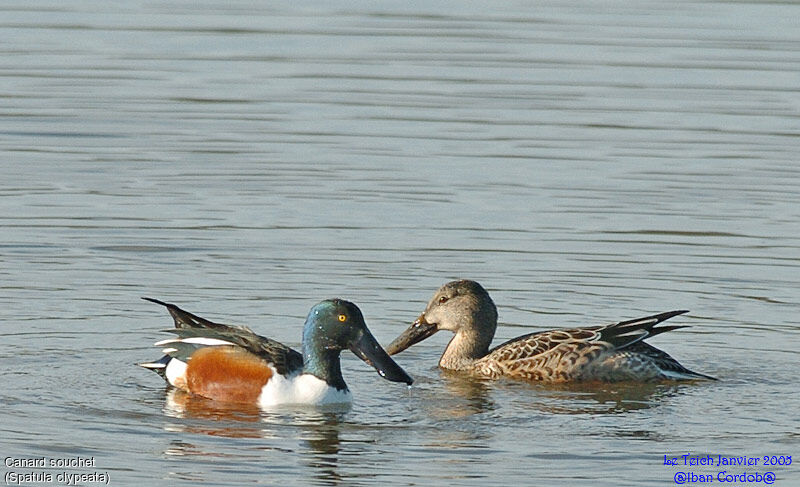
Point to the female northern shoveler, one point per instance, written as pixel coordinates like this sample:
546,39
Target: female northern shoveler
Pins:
231,363
614,352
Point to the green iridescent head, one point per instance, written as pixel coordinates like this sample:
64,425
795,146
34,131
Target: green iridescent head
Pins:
334,325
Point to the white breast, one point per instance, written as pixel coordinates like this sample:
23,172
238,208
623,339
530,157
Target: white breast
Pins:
301,389
176,373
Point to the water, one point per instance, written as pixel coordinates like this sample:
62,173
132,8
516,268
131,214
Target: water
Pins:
585,161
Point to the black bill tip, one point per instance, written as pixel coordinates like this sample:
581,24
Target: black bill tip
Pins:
418,331
369,350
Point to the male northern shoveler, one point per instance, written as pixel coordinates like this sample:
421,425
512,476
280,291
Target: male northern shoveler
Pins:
231,363
611,353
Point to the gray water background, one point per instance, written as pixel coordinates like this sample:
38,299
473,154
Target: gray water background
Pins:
585,161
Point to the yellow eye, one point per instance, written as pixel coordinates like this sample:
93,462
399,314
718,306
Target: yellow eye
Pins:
342,317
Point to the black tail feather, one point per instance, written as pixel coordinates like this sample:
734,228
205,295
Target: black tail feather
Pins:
184,319
159,366
626,333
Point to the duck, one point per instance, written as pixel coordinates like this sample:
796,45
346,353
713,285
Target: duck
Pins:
233,364
609,353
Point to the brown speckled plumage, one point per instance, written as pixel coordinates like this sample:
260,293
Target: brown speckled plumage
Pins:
615,352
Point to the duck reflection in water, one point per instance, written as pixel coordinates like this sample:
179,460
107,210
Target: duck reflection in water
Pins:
317,429
475,396
596,397
466,396
234,420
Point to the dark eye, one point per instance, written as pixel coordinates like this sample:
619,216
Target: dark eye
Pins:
443,299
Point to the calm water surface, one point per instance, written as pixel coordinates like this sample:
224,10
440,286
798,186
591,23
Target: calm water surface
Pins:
586,161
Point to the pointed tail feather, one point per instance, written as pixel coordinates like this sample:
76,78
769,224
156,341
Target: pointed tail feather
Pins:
626,333
159,366
184,319
648,322
633,332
